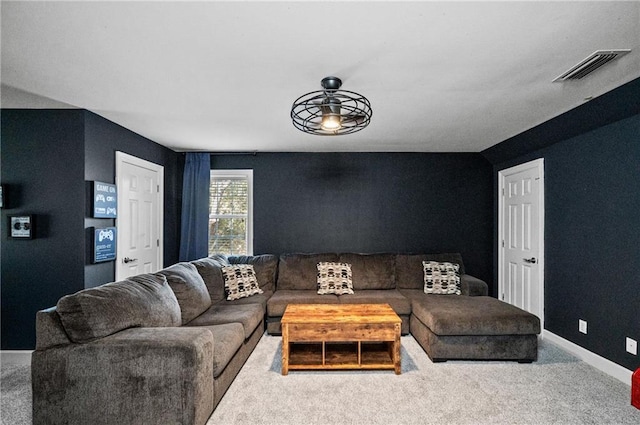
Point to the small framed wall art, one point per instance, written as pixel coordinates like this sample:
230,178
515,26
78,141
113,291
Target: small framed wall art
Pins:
21,226
104,244
105,200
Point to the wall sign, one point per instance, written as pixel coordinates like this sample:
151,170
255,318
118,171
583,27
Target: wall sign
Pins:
21,226
104,244
105,200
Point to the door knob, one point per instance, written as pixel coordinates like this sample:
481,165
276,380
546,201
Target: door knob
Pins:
531,260
129,260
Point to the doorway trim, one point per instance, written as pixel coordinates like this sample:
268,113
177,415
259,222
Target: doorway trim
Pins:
537,164
121,158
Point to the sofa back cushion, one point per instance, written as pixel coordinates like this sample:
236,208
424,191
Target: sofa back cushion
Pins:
265,267
191,291
300,271
139,301
210,269
410,272
371,271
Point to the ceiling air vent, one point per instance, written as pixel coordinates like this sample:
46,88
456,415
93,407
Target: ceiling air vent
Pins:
590,64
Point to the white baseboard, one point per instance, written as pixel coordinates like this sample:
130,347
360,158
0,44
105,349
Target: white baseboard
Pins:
607,366
17,357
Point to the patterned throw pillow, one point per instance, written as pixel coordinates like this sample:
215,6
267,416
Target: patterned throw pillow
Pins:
240,281
441,278
334,278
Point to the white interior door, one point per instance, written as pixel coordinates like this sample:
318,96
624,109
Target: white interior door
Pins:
521,239
140,217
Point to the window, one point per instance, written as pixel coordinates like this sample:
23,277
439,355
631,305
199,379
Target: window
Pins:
230,212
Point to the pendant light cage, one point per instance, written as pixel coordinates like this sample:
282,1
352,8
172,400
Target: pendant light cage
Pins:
331,111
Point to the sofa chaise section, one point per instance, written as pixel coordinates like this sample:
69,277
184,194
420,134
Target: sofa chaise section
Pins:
458,327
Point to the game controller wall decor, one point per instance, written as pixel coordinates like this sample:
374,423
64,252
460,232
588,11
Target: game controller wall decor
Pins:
105,200
104,244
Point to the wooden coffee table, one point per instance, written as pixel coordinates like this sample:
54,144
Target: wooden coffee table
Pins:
339,336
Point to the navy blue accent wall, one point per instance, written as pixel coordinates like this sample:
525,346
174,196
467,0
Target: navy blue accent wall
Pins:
372,202
48,156
623,102
102,139
43,170
592,237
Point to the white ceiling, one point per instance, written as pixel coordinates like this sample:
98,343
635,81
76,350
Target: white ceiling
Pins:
221,76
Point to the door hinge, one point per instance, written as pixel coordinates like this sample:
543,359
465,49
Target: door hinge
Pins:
503,297
503,243
158,242
503,191
158,188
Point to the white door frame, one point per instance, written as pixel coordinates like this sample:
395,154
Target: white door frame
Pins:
122,157
502,174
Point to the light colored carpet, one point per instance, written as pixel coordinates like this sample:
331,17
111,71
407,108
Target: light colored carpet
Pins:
15,395
557,389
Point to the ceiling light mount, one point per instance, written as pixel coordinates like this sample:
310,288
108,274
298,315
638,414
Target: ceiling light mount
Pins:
331,111
331,83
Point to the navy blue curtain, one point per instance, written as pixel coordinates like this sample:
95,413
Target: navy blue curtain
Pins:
194,233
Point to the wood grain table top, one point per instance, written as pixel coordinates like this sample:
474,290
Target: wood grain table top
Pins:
340,313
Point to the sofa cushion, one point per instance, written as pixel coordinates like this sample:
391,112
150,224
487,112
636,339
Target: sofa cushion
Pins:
441,278
299,271
260,299
371,271
210,269
280,299
240,281
334,278
227,340
139,301
400,304
249,315
189,288
463,315
265,267
409,272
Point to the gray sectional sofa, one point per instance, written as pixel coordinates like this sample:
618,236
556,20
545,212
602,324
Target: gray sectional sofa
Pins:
156,348
377,278
471,326
163,348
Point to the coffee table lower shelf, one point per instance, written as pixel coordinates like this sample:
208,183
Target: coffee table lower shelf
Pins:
341,355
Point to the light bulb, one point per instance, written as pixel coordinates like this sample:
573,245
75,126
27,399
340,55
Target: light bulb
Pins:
331,122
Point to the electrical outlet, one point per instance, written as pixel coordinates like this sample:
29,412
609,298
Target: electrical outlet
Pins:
582,326
632,346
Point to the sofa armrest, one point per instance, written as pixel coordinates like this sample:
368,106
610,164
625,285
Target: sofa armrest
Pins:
139,375
470,285
49,329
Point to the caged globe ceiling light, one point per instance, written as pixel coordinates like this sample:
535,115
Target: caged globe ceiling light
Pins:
331,111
